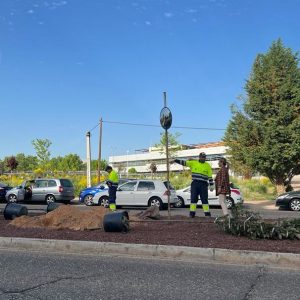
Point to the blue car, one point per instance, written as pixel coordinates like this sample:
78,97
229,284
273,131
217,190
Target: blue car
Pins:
86,195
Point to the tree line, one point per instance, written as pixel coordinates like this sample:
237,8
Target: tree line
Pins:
43,162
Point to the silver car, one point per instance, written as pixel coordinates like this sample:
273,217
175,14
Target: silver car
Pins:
141,192
42,189
184,197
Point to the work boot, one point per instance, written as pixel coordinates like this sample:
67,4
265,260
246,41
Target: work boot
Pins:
207,214
192,214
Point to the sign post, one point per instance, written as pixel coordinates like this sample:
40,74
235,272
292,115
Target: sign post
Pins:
166,122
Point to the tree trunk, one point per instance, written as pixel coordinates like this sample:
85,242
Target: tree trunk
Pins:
280,188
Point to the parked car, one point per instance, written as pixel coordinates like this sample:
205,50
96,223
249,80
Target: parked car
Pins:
184,197
290,200
86,195
42,189
140,193
3,189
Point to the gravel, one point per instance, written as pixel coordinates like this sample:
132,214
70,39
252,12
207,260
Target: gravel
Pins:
197,232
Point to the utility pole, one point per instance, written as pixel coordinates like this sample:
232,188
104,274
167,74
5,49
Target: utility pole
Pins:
99,152
88,159
166,122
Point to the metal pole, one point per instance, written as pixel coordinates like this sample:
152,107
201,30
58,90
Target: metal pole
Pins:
99,150
167,156
88,159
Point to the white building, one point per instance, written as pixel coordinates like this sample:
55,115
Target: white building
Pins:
141,161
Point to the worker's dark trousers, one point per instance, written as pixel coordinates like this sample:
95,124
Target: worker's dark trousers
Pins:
112,195
199,188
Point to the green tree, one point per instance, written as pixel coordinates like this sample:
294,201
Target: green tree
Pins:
94,164
26,163
173,142
41,147
55,163
71,162
132,171
264,134
2,168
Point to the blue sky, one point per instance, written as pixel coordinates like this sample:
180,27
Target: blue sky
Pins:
65,64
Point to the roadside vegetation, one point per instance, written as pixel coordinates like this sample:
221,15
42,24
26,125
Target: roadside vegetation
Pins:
252,189
256,189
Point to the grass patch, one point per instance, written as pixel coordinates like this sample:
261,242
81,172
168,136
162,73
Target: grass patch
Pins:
256,189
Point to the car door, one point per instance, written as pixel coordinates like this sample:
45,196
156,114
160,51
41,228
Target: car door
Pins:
21,191
39,190
143,192
212,198
125,194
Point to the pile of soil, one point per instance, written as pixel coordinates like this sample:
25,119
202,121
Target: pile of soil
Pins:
65,217
197,232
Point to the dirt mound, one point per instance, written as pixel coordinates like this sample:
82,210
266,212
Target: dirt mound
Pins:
65,217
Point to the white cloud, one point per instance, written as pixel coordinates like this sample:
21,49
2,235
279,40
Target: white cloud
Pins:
191,11
148,23
55,4
30,11
168,14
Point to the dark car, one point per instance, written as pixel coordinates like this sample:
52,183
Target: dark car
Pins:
3,189
290,200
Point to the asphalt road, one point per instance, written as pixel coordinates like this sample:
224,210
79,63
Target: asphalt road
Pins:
52,276
267,209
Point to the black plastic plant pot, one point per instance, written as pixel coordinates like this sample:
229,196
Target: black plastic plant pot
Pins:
116,222
13,210
52,206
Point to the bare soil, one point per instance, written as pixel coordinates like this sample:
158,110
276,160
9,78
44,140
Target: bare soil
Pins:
197,232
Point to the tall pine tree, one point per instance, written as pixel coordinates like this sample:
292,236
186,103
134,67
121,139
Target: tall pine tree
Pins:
264,134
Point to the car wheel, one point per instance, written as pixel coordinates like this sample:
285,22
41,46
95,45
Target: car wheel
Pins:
229,202
179,203
295,204
155,201
50,199
12,198
88,200
103,201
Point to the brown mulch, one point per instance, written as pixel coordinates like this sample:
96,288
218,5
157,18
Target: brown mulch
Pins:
197,232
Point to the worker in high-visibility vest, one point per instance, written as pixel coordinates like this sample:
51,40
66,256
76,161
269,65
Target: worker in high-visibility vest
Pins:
201,180
112,183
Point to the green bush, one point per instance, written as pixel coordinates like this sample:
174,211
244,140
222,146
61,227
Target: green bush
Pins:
248,223
256,189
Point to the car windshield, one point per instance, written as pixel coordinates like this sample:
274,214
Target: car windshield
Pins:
98,186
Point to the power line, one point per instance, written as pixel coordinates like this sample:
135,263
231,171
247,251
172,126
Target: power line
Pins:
152,125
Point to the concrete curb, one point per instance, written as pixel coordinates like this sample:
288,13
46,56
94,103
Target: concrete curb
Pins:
244,257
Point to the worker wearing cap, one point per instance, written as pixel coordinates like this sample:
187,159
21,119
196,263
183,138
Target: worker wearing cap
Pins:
112,182
201,180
